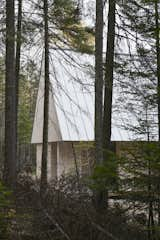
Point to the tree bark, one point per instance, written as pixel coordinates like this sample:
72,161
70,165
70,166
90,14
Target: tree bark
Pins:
99,81
18,57
98,196
46,104
10,98
109,65
157,34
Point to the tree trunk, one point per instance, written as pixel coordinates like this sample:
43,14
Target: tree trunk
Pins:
109,65
18,57
99,81
46,104
10,98
151,225
99,93
157,34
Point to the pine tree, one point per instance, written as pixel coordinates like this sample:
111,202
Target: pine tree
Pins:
46,102
109,68
10,98
141,22
17,63
99,92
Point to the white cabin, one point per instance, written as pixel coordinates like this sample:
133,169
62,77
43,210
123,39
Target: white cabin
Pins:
71,115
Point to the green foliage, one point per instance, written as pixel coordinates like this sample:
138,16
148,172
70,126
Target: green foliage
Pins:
65,13
66,16
27,99
82,38
141,166
105,176
139,180
139,75
6,213
4,195
25,121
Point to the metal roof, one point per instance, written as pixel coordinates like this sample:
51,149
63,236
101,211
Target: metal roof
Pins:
71,107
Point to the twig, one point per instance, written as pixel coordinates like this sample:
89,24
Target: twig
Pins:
56,224
101,229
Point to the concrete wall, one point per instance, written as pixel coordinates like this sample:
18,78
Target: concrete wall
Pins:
60,159
64,158
52,160
74,156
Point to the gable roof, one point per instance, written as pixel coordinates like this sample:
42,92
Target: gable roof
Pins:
71,107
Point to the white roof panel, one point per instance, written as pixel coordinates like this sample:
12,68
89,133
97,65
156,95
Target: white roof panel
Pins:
71,110
74,98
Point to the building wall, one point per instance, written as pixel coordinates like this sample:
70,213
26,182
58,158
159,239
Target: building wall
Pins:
75,156
65,158
52,160
38,159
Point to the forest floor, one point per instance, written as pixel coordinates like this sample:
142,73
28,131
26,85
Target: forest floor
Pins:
66,212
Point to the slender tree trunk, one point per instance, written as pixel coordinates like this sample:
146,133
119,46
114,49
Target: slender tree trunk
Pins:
99,93
18,57
151,225
46,103
109,65
10,98
99,81
157,33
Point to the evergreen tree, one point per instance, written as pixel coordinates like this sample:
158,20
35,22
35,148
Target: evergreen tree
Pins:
140,21
99,81
10,98
46,102
109,68
141,24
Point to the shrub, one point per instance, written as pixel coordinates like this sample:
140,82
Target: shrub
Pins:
6,212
